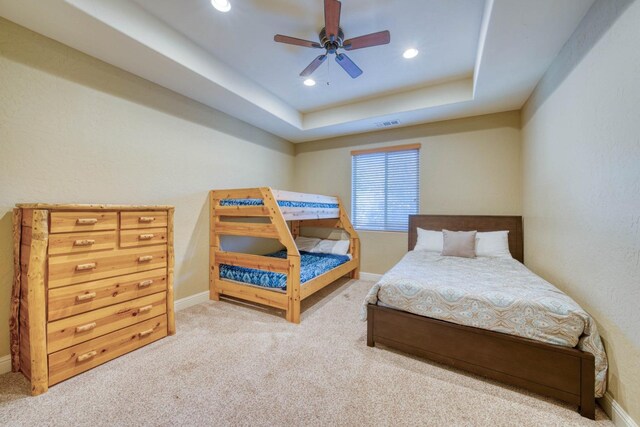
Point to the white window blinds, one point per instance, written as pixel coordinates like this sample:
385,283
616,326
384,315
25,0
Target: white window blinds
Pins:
385,187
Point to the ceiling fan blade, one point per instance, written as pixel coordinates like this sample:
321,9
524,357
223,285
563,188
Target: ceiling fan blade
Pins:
348,65
373,39
332,18
313,66
295,41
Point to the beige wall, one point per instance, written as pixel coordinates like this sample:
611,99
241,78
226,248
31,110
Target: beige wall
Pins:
581,151
74,129
467,166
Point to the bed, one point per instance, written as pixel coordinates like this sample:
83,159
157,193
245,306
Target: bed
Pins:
285,278
312,265
489,316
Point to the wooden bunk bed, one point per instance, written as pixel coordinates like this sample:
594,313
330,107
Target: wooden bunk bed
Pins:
282,213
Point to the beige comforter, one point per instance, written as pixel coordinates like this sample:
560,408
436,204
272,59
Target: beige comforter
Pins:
500,295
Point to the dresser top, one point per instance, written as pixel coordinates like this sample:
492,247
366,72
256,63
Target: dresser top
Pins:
82,207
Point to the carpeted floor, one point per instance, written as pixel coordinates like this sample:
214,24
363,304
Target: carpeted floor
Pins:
231,364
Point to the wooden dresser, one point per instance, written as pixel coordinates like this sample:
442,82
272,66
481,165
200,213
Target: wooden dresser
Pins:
92,282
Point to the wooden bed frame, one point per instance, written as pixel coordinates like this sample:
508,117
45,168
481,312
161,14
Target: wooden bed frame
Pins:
563,373
283,224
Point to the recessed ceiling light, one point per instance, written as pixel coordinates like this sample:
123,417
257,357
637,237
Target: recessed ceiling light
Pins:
410,53
309,82
221,5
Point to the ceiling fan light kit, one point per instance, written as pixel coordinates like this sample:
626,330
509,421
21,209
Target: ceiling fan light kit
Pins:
331,39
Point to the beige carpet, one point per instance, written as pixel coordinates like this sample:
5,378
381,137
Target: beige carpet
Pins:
235,365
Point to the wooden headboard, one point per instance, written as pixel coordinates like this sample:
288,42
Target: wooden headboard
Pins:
471,222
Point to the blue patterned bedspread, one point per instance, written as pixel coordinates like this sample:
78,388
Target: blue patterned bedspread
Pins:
311,265
282,203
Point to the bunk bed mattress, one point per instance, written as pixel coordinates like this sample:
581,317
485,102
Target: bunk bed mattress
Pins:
281,203
312,265
496,294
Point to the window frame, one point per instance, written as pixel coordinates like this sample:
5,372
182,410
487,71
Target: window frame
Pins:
386,150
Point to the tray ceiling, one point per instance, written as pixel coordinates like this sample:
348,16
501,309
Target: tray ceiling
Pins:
445,32
476,56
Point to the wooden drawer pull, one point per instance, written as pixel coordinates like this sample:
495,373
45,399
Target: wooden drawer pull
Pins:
87,327
84,242
145,308
145,236
86,356
145,333
88,266
146,219
85,297
145,283
86,221
145,258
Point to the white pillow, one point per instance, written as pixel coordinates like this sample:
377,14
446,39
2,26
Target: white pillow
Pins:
336,247
429,240
306,243
493,244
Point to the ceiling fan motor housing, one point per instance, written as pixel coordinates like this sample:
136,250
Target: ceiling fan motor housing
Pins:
327,43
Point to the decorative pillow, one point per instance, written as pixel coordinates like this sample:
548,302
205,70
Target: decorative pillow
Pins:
306,243
429,240
336,247
459,243
493,244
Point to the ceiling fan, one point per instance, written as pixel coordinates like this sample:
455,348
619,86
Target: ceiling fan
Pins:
332,38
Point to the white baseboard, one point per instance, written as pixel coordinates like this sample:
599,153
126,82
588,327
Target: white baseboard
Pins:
371,277
5,364
618,415
191,300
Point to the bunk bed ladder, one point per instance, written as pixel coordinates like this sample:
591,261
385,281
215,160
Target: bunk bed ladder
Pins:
293,255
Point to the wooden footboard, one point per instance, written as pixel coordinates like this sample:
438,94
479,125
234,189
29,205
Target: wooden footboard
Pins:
314,285
563,373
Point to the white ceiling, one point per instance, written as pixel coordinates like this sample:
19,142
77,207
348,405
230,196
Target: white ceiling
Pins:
476,56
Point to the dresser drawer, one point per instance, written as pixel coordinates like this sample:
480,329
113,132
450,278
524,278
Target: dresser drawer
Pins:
83,327
70,269
143,237
68,243
63,222
71,300
79,358
143,219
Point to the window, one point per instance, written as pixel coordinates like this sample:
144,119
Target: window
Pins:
385,187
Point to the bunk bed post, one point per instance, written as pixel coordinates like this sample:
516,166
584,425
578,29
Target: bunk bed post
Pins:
354,245
295,228
214,245
293,289
293,280
355,253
